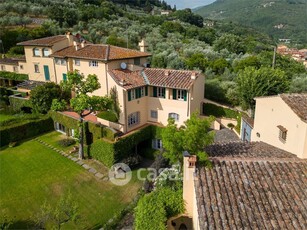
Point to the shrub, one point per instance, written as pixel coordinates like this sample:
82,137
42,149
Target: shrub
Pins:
108,115
14,76
14,132
66,142
217,111
18,103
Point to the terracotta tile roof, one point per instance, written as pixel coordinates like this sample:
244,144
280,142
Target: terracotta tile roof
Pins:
240,149
99,52
12,61
89,117
252,194
48,41
179,79
298,103
127,79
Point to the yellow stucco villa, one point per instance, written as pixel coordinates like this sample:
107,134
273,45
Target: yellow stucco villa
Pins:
145,95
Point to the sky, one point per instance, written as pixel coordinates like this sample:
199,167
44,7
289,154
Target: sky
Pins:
182,4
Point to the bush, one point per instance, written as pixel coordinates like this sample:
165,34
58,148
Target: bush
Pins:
108,115
66,142
217,111
18,103
17,132
132,161
14,76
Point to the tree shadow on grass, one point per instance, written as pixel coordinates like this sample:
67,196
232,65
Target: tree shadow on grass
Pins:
23,224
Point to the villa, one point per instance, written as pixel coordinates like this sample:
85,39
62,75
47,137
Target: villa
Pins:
145,95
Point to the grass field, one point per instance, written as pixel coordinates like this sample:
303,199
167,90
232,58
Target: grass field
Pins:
5,117
32,174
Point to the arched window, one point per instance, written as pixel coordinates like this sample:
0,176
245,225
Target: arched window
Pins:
175,116
36,52
46,52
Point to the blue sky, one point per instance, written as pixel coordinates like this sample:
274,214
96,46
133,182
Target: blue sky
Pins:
181,4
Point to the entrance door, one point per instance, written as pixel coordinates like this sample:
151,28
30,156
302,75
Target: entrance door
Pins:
46,72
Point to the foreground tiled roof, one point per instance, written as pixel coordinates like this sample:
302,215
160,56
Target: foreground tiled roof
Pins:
99,52
127,79
48,41
179,79
298,103
243,150
29,85
252,194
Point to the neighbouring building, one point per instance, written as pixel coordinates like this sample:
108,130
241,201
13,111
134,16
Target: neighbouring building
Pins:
282,122
16,65
249,186
145,95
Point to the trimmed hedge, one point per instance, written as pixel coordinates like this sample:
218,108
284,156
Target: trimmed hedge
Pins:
217,111
109,153
18,132
108,115
17,103
13,76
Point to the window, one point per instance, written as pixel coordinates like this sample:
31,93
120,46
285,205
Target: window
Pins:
59,127
157,144
15,68
154,114
179,94
93,63
21,66
175,116
159,92
36,52
3,67
133,119
60,61
46,52
282,133
137,61
77,62
36,68
137,93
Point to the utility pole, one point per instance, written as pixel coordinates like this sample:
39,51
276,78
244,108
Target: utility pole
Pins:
274,58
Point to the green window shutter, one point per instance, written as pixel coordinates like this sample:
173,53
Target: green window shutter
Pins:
136,91
129,95
146,90
155,91
174,94
64,77
185,95
163,91
139,92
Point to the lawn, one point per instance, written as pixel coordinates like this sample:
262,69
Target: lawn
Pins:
32,174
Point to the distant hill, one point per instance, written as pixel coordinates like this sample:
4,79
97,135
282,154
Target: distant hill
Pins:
278,18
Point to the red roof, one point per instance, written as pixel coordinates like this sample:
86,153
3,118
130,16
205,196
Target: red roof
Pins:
48,41
127,79
89,117
99,52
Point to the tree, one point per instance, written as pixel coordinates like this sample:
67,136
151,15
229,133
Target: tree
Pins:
260,82
231,42
82,103
41,96
191,137
197,60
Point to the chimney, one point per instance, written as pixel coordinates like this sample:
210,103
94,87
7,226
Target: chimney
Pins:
75,45
70,38
122,82
193,75
143,46
166,72
189,168
83,44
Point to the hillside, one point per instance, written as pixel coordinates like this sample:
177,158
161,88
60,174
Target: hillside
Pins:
278,18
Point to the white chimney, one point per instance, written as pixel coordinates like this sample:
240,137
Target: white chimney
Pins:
75,45
193,75
70,38
83,44
189,169
143,45
166,72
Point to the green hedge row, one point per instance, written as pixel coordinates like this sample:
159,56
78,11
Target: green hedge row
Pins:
26,130
13,76
217,111
93,131
108,115
17,103
109,153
